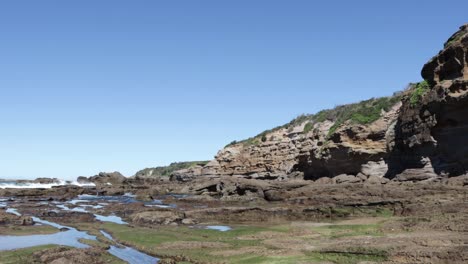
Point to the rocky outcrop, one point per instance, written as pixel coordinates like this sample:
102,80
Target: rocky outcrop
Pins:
59,255
108,178
161,217
83,180
431,133
419,134
46,180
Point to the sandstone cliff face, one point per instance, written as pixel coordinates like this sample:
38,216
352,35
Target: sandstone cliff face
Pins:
422,136
309,149
431,136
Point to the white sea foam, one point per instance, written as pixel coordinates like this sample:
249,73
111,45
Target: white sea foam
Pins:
30,185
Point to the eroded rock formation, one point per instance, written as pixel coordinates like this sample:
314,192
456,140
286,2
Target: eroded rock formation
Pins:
419,134
431,135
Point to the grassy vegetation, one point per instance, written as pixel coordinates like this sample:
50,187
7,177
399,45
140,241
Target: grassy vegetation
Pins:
172,241
108,258
155,241
363,112
21,256
94,243
27,230
337,231
167,170
419,90
342,212
346,258
308,127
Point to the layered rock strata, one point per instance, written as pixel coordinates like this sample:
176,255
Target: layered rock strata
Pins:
423,136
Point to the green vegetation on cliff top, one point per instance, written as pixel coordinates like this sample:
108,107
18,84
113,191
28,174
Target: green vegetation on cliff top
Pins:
167,170
364,112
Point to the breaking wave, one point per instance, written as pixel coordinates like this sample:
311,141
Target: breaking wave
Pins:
32,185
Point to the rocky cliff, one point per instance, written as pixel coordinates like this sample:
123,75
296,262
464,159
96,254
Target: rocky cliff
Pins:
418,134
431,133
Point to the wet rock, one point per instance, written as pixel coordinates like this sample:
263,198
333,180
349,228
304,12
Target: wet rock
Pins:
144,196
27,221
68,217
83,180
160,217
273,195
51,213
46,180
63,255
6,218
108,178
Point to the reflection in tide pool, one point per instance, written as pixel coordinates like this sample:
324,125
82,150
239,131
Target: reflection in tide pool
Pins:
76,209
110,218
13,211
75,201
219,228
103,218
126,198
132,256
66,238
161,205
71,238
128,254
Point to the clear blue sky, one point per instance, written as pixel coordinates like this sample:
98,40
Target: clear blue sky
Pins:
89,86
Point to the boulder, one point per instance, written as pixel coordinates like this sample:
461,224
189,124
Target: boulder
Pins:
83,180
108,178
343,178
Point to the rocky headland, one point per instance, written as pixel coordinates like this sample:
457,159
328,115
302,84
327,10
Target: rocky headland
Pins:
384,180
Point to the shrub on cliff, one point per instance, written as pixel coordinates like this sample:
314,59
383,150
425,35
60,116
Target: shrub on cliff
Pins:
308,127
364,112
419,90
